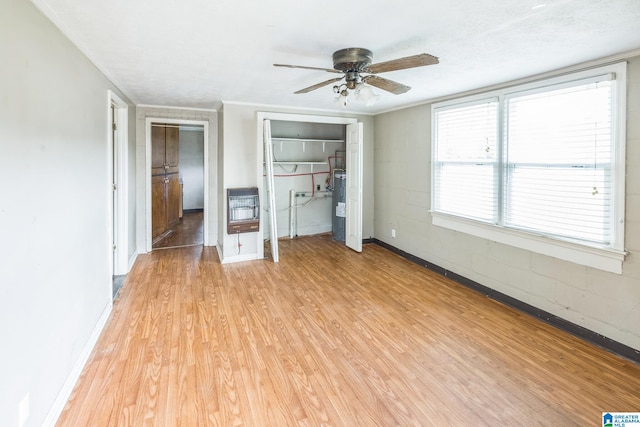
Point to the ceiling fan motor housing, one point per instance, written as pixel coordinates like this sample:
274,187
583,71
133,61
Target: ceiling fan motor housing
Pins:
353,59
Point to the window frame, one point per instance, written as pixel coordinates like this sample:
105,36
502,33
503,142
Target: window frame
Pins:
607,258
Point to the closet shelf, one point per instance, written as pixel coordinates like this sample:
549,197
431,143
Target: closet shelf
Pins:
300,163
306,140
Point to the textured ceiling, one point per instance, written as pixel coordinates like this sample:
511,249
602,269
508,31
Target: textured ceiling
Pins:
197,53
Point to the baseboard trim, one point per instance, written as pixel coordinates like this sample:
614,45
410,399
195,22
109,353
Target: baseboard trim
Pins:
560,323
239,258
132,261
65,392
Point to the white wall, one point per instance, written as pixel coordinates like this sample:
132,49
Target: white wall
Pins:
168,114
240,157
191,154
133,195
606,303
54,211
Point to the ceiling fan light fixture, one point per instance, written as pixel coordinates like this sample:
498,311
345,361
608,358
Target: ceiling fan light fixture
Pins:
342,94
365,94
353,61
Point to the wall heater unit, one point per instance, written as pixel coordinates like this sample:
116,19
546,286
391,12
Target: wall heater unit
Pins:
243,214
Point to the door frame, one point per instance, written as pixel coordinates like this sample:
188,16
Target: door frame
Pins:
119,205
147,169
286,117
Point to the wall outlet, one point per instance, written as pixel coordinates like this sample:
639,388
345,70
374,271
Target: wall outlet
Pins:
393,232
23,410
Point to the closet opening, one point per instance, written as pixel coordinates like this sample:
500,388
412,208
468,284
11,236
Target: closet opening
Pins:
310,165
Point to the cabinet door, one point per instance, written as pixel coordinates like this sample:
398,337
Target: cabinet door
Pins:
172,137
174,199
157,150
158,206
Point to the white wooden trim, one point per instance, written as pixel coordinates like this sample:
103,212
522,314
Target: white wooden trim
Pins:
205,171
109,191
273,219
76,371
132,260
602,259
238,258
121,238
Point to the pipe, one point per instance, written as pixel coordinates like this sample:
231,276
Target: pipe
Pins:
292,213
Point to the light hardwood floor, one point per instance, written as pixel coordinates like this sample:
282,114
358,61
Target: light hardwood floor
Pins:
329,337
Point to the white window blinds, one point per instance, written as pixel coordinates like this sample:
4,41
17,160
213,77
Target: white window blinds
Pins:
558,162
465,160
537,159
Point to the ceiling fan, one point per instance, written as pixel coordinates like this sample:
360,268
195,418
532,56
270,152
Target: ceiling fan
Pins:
354,61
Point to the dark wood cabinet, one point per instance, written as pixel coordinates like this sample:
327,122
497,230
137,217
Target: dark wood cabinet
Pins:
166,194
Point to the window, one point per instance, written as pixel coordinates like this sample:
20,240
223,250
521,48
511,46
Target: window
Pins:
539,166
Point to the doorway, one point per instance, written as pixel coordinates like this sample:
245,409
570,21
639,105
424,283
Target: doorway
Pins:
203,127
301,148
177,179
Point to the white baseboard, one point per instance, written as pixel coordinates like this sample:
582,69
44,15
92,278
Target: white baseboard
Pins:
219,249
65,392
238,258
132,261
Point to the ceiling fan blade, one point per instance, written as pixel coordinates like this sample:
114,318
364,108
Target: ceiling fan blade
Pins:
328,70
386,84
403,63
319,85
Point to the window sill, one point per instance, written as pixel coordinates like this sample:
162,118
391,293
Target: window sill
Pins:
600,258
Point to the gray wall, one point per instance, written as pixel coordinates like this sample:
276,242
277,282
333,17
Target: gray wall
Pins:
192,168
54,209
602,302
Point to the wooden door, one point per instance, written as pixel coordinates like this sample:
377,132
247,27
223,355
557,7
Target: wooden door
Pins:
158,206
171,157
166,194
157,150
173,199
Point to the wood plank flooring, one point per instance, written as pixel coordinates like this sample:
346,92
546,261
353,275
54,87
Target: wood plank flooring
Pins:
329,337
189,231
